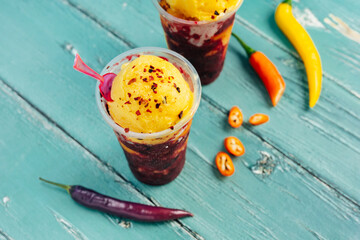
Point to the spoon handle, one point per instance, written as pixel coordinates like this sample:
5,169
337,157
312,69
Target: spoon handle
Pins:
82,67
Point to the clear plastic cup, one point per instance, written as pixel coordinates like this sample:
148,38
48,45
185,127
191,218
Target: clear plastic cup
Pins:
154,158
203,43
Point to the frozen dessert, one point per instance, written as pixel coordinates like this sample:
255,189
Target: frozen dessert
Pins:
199,10
200,31
150,95
155,93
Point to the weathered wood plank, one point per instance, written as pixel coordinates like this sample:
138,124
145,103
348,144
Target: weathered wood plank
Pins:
288,204
338,109
244,205
340,55
32,146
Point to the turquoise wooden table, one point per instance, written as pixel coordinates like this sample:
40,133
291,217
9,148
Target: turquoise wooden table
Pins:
299,178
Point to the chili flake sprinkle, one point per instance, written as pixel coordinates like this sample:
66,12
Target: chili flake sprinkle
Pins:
159,70
151,66
172,127
154,86
132,81
129,94
145,79
216,13
151,78
143,101
127,130
157,105
137,98
151,70
138,112
148,110
128,102
212,17
178,89
144,69
225,10
180,114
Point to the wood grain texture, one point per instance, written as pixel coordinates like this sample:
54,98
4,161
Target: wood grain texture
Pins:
53,129
39,211
340,114
338,53
251,200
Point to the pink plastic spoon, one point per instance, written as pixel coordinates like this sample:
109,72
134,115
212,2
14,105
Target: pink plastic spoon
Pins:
105,80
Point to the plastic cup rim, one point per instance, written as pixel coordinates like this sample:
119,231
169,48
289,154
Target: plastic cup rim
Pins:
180,124
191,22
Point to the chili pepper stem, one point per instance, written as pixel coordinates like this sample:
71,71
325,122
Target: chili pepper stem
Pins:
248,49
288,2
66,187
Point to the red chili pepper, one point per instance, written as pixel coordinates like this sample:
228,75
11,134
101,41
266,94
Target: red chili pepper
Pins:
258,118
235,118
224,164
234,146
266,70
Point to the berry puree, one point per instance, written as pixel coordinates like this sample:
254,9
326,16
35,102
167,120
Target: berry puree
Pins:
158,163
204,45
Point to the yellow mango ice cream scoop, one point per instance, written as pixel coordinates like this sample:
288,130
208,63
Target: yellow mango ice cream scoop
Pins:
199,10
149,95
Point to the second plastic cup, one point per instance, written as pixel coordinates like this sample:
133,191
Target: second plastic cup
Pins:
203,43
154,158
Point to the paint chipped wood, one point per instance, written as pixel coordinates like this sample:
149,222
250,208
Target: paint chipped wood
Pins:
298,176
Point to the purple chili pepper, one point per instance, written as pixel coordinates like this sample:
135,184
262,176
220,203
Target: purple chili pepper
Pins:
130,210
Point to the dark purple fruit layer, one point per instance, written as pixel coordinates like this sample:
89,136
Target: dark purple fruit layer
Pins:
156,164
207,65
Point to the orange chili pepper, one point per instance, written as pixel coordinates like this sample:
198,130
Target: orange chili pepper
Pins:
258,118
235,118
224,164
234,146
267,72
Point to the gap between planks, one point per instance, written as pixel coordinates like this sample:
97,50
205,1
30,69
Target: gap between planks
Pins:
256,31
238,20
4,235
100,24
286,156
28,106
253,29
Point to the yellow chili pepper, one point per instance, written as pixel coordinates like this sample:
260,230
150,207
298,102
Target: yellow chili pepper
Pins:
303,44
